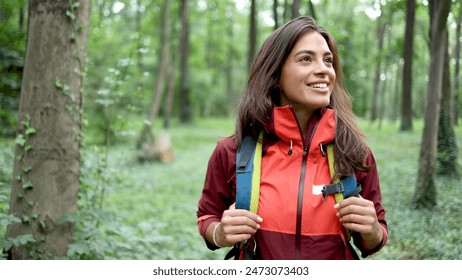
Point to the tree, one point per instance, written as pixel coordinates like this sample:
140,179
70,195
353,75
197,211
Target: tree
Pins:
295,9
457,69
148,145
447,145
380,33
47,165
425,191
312,12
252,33
406,105
185,103
275,14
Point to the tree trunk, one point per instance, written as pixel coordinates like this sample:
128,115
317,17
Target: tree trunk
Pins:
285,16
229,68
175,56
381,27
147,136
185,103
457,70
295,9
252,34
312,11
152,148
447,146
406,105
21,15
170,92
47,165
275,14
425,191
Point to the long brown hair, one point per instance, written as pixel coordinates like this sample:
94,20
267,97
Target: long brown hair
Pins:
261,95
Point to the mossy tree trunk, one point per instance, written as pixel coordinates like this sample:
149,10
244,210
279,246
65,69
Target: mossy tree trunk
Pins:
447,146
47,156
425,191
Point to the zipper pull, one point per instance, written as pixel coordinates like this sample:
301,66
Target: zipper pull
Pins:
305,151
321,147
290,150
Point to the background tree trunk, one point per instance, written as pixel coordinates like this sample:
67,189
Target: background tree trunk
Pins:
406,105
311,8
252,33
185,103
381,27
229,67
425,191
147,136
447,146
457,69
285,14
151,147
295,9
47,165
275,14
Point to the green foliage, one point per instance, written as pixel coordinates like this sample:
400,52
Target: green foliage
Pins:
129,210
12,45
414,234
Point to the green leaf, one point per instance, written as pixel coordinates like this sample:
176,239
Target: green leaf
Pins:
42,225
25,220
5,220
22,239
70,14
30,131
28,148
28,185
26,170
20,140
5,244
59,84
75,5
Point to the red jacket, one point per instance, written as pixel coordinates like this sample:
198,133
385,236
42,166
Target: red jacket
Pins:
297,223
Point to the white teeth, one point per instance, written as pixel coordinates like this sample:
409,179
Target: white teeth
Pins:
320,85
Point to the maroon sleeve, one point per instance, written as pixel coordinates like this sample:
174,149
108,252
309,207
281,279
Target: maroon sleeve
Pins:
220,186
371,191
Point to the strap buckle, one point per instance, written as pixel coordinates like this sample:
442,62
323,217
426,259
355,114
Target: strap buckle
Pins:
332,188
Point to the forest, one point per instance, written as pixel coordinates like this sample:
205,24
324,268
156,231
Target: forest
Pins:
110,110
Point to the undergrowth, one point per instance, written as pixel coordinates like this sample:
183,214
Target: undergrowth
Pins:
129,210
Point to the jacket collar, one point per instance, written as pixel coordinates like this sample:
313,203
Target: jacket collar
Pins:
285,126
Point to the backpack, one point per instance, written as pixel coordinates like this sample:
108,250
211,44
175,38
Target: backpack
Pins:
248,169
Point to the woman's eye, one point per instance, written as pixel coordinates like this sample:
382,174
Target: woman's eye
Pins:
305,59
329,60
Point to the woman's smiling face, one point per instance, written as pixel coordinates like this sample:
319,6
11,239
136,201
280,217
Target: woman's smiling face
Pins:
308,76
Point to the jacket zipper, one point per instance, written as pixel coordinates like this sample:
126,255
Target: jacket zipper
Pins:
301,189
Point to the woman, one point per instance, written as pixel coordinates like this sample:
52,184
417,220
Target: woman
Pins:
296,96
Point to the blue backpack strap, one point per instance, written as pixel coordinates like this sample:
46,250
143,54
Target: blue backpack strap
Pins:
244,170
347,187
248,160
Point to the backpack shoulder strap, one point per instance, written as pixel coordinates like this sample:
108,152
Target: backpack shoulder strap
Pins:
248,167
341,189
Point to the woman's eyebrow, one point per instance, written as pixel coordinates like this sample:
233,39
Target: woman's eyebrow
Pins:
311,53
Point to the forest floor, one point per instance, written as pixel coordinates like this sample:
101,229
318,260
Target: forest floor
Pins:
147,211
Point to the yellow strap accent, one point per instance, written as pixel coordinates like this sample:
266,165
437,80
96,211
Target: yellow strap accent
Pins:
338,196
255,194
330,159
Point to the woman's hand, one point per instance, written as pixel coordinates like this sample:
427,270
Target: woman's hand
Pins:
358,214
236,225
